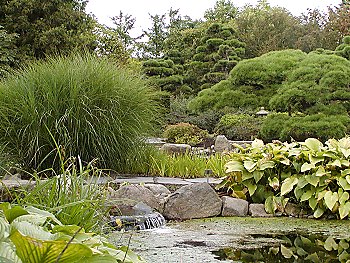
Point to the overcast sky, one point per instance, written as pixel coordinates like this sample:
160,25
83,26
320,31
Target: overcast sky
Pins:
104,9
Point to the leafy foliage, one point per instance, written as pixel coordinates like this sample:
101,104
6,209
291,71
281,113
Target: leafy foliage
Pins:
47,28
31,235
185,133
73,195
309,172
7,51
90,107
239,127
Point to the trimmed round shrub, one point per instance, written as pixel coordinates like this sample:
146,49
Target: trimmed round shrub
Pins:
185,133
272,126
80,105
239,127
317,126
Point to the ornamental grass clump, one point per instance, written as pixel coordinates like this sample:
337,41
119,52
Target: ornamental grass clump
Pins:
92,108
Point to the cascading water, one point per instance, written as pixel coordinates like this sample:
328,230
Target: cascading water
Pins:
137,222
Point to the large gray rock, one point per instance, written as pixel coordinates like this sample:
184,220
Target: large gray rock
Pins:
158,189
176,148
137,193
258,210
222,144
193,201
234,206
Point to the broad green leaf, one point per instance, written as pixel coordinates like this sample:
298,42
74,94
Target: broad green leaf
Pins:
345,152
330,244
330,199
288,185
258,175
345,163
344,210
251,187
344,257
257,144
320,171
307,167
274,183
250,166
306,196
343,244
7,252
34,231
32,250
239,194
285,161
301,252
321,195
319,212
298,192
286,252
345,172
313,144
246,175
67,229
33,219
344,183
37,211
344,143
302,182
234,166
313,202
343,197
312,179
347,178
266,165
14,212
313,258
270,205
4,228
331,155
335,163
315,159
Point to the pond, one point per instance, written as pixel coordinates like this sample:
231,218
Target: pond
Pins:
238,239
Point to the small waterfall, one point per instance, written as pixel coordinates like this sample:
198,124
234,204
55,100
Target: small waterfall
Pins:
139,222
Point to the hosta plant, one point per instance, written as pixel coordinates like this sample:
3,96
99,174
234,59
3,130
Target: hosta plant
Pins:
315,174
31,235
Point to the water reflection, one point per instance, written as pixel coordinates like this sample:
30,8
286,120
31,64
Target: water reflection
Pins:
288,248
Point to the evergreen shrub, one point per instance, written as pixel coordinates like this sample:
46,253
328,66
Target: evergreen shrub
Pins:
185,133
239,127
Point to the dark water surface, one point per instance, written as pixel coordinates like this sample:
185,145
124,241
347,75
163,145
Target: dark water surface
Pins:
237,239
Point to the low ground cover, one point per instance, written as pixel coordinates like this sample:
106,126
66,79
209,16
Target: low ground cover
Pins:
311,173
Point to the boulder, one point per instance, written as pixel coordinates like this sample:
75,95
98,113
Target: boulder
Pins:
234,206
193,201
222,144
171,148
258,210
137,193
158,190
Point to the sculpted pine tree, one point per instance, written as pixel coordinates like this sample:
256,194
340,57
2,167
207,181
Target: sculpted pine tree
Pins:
344,48
219,51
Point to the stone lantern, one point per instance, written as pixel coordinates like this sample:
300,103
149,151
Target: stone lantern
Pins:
262,112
